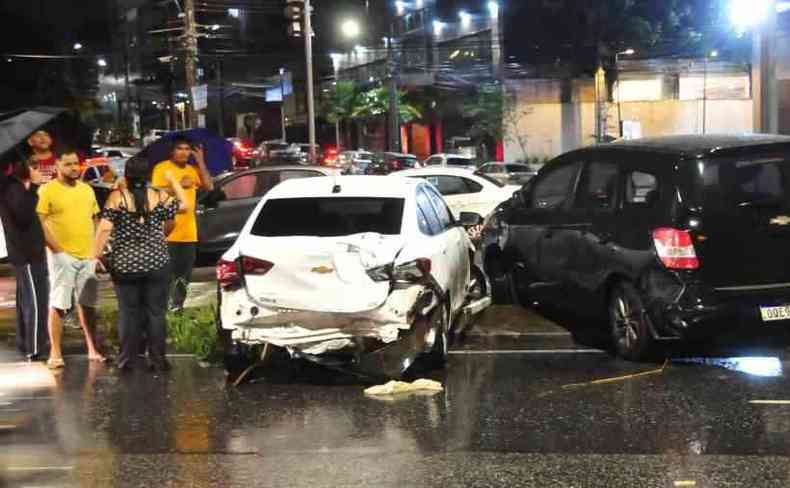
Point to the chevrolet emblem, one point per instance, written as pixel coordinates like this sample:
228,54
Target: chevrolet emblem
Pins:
322,270
781,220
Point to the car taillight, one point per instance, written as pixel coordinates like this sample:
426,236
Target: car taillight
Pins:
227,274
408,272
253,266
675,248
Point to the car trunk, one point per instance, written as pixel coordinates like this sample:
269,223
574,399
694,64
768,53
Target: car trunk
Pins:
742,207
322,274
321,249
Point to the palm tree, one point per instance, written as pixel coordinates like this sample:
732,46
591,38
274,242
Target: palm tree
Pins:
375,102
340,105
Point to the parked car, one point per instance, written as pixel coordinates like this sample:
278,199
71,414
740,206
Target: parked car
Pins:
243,152
355,162
359,272
452,161
670,238
508,174
386,163
222,212
264,151
462,190
101,177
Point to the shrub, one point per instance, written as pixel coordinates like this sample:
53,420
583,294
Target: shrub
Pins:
193,331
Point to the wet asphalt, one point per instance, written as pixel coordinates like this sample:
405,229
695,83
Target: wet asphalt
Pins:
530,399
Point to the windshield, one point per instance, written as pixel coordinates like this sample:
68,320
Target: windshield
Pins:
761,181
329,217
489,179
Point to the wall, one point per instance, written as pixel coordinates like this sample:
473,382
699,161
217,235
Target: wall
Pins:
558,116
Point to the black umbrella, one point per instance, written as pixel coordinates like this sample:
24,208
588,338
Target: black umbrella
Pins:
17,126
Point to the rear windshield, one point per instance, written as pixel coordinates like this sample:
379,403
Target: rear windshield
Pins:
459,162
760,182
406,162
329,217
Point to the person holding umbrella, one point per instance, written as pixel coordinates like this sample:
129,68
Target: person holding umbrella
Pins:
26,252
182,240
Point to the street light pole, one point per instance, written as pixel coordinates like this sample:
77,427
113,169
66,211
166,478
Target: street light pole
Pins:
308,47
220,100
190,58
627,52
394,110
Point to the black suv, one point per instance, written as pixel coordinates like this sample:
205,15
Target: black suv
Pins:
669,238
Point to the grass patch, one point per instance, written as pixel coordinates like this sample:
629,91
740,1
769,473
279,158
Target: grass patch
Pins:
194,331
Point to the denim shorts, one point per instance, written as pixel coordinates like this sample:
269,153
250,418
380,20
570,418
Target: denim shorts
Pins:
72,278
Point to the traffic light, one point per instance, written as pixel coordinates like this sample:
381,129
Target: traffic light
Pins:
294,12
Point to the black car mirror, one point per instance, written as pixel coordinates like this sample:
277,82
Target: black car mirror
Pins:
470,219
212,198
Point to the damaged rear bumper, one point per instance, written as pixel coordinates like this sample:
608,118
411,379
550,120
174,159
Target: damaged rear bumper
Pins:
383,341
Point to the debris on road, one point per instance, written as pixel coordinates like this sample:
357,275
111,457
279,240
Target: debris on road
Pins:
401,387
617,379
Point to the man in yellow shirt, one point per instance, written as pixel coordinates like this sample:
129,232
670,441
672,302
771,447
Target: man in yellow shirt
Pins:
67,207
182,240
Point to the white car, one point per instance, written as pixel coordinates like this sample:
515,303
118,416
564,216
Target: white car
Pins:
451,161
368,273
462,190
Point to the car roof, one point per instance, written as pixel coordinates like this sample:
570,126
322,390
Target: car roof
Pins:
283,167
434,170
448,155
350,186
696,146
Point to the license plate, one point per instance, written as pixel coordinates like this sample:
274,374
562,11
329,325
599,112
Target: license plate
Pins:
770,314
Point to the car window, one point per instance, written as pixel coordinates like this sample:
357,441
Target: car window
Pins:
89,175
759,181
241,187
458,162
448,185
472,186
444,214
554,187
641,188
433,161
599,187
514,168
427,220
329,217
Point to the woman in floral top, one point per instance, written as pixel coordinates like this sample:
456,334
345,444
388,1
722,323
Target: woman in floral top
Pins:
134,221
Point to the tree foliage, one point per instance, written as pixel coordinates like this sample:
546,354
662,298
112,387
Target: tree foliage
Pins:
347,102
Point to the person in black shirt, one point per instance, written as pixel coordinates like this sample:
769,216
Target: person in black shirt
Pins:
26,252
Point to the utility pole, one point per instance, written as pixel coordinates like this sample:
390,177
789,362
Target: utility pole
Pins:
308,49
190,58
220,99
282,104
394,110
764,85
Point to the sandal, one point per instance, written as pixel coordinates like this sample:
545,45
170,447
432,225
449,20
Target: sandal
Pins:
55,363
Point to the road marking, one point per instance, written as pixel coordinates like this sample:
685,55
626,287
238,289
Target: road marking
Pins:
769,402
530,351
686,483
39,468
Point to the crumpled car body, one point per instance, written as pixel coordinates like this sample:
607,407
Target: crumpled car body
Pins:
368,302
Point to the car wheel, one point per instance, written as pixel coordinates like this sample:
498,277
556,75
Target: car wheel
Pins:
437,357
629,323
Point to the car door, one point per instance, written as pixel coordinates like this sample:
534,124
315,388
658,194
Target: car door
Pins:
220,222
457,245
595,208
435,244
539,228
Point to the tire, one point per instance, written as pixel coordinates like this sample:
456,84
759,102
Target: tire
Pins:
439,353
629,323
501,288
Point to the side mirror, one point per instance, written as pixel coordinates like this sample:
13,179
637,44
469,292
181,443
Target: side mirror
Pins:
470,219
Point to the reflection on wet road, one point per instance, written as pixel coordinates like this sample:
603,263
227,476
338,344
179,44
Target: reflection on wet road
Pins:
506,418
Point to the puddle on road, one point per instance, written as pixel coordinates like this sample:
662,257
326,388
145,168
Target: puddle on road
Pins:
751,365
